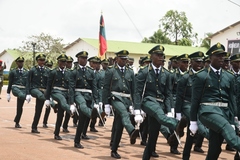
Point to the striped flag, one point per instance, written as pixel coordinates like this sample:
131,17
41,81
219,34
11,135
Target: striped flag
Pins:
102,39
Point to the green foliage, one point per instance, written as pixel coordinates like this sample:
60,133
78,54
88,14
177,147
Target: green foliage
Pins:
5,76
184,42
175,24
206,41
158,37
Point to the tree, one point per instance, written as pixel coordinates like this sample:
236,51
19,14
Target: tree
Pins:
206,41
176,25
45,43
158,37
184,42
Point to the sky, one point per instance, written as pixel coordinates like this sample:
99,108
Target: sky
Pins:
125,20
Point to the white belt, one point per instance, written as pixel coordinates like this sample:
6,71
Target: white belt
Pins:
218,104
159,100
121,94
18,86
83,90
42,89
60,88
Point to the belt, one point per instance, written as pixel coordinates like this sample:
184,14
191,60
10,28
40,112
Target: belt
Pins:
121,94
159,99
19,86
42,89
83,90
60,88
218,104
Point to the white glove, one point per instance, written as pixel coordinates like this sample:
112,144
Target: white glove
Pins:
178,116
107,109
169,114
28,98
8,97
193,127
143,113
100,106
173,111
72,108
96,106
138,118
233,127
131,110
47,103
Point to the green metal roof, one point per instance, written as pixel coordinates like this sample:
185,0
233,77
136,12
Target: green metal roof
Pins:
14,53
143,48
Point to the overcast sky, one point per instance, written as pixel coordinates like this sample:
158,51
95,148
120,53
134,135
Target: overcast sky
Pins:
72,19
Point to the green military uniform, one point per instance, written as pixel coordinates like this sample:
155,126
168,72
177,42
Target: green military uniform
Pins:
153,93
18,78
48,65
213,100
183,102
60,88
37,77
1,76
119,87
85,95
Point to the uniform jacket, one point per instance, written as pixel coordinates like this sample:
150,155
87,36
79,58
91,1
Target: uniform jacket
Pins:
37,78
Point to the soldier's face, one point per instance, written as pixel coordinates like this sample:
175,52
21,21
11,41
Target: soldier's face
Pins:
61,64
82,61
104,66
157,59
69,65
121,61
41,62
20,64
183,65
217,60
235,65
196,65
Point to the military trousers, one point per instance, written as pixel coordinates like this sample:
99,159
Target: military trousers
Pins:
20,93
219,129
40,98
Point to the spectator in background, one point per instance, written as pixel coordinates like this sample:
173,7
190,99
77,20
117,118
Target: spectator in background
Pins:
2,67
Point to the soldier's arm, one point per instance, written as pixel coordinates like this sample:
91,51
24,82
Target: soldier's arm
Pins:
71,87
50,83
139,86
197,89
94,88
181,89
107,86
27,83
100,87
168,93
10,81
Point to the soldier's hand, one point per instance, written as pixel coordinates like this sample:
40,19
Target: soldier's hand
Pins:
100,106
96,106
107,109
169,114
47,103
138,118
178,116
28,98
173,111
143,113
72,109
193,127
8,97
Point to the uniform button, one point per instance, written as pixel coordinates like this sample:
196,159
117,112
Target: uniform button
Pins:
85,85
123,91
156,79
123,81
220,89
219,80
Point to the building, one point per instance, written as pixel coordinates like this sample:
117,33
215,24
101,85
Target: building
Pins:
229,37
8,56
136,49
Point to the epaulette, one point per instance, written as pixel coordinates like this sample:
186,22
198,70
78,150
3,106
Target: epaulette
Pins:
110,66
12,69
90,67
142,67
25,69
165,69
230,72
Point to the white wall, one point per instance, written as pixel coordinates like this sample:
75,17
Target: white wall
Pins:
229,34
8,59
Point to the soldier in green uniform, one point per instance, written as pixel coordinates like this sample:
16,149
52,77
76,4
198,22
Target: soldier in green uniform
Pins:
119,88
183,102
173,63
37,77
226,63
48,65
60,88
67,115
153,94
85,97
1,75
17,84
206,61
214,102
235,69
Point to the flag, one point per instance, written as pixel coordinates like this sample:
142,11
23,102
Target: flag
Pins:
102,39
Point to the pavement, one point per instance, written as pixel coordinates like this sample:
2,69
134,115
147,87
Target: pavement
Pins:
21,144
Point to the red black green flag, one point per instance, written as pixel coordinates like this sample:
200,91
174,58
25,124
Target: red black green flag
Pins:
102,39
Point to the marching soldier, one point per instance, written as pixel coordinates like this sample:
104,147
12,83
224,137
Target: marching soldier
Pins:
85,95
206,61
17,84
173,63
60,88
37,77
67,115
183,102
48,65
1,75
153,93
119,87
226,63
213,101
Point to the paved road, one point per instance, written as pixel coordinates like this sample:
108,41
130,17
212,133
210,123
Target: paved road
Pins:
21,144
